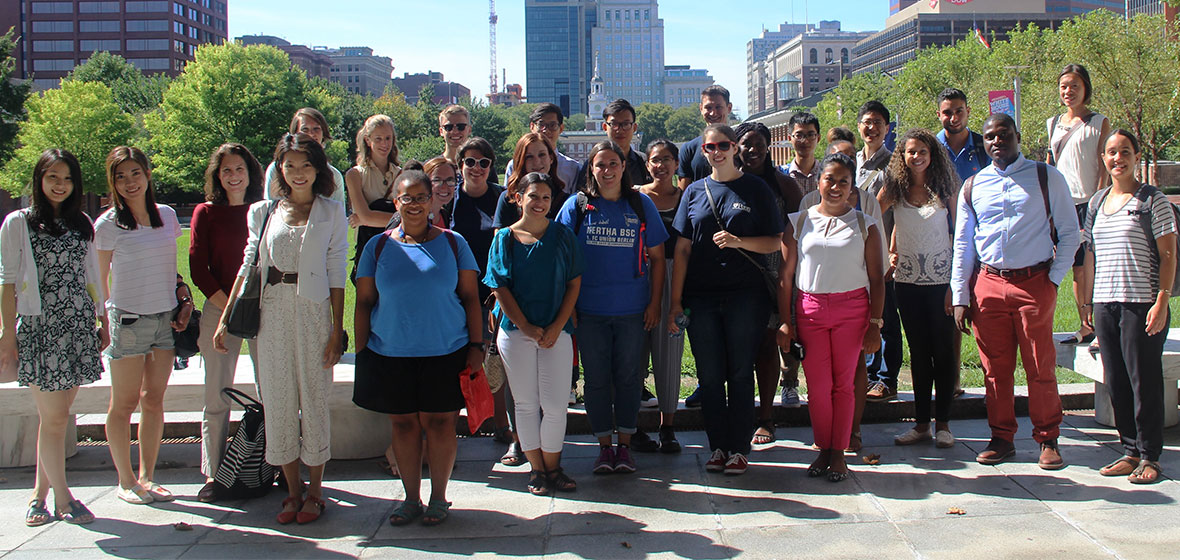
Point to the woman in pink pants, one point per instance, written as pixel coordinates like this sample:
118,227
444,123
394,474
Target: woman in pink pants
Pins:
836,263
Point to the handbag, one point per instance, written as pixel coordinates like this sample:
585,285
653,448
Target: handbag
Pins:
246,312
244,472
771,283
478,397
185,341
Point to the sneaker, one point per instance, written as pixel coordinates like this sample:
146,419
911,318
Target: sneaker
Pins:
911,437
943,439
648,400
624,463
736,464
573,397
643,443
880,392
693,400
668,442
790,397
716,462
606,461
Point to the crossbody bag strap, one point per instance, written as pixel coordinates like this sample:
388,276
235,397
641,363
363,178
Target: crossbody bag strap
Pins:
1043,179
262,234
1056,147
721,225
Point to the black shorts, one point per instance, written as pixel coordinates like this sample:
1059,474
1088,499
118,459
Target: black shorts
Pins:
409,385
1079,258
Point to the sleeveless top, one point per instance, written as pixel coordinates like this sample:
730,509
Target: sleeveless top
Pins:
923,243
1079,160
375,184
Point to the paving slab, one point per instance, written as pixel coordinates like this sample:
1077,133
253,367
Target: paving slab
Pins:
1033,535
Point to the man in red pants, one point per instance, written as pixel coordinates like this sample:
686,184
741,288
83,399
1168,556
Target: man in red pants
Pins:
1015,237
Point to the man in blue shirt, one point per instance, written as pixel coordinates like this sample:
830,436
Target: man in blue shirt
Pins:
1009,258
964,147
715,109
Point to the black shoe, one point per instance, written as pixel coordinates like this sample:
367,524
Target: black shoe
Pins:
668,443
694,400
643,443
208,493
648,400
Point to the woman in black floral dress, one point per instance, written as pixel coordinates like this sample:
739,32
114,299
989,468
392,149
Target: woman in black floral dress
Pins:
50,317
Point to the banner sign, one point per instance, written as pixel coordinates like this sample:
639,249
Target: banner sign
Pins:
1002,101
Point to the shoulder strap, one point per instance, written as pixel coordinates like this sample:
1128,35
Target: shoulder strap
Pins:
384,237
262,233
966,194
1043,179
1052,127
1056,147
860,221
1144,195
869,180
1092,208
713,204
581,201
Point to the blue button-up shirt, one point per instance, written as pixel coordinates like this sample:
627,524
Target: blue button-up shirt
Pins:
969,160
1008,227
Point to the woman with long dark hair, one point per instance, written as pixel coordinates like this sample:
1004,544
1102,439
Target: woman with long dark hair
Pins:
50,296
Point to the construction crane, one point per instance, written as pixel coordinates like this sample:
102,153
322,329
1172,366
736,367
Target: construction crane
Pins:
492,19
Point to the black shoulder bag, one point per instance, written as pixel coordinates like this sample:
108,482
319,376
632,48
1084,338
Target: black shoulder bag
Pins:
246,312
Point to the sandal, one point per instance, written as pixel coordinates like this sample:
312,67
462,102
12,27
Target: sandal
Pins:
837,476
560,481
304,517
78,514
38,514
1117,468
514,457
1094,350
502,435
854,443
538,483
767,435
406,513
437,512
286,517
1140,474
137,495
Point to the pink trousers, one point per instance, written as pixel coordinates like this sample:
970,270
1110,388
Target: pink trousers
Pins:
832,329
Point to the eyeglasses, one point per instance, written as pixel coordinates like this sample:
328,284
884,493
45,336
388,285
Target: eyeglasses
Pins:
546,125
484,163
804,135
449,181
420,199
665,160
449,127
877,123
714,146
616,125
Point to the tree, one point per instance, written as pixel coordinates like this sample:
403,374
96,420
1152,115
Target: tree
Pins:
576,121
80,117
133,92
685,124
421,148
652,119
228,93
12,97
491,123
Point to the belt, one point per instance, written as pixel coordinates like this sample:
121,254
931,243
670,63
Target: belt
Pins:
276,276
1017,272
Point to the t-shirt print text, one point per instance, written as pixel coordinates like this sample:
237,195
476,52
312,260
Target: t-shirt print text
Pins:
611,236
740,207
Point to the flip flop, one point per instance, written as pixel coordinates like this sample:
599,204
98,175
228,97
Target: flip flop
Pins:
1138,477
1117,469
766,438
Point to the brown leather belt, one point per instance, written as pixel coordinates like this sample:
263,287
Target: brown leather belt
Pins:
1017,272
276,276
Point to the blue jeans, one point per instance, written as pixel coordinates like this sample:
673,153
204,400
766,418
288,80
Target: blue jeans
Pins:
887,361
611,348
725,333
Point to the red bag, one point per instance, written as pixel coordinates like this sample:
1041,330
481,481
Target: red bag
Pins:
478,395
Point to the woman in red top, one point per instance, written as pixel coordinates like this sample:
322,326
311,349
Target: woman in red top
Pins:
233,180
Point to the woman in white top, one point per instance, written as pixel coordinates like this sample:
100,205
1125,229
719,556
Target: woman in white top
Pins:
51,342
371,179
835,260
920,187
311,122
301,255
136,240
1076,139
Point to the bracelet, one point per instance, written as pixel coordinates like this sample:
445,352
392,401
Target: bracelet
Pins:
1086,305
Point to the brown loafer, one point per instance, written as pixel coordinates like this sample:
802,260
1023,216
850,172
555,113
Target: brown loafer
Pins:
997,451
208,493
1050,456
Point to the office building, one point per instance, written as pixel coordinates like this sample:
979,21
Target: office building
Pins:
315,63
809,63
899,5
359,70
1150,7
1078,7
683,85
756,51
445,93
157,36
558,53
628,38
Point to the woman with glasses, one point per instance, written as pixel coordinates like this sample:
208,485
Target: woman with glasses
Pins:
369,182
475,203
727,222
418,326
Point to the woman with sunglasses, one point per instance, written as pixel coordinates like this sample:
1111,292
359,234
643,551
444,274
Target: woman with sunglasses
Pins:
370,181
475,203
727,222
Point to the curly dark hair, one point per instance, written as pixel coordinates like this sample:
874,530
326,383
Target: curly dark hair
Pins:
941,179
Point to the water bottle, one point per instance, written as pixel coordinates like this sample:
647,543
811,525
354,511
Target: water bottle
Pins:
681,323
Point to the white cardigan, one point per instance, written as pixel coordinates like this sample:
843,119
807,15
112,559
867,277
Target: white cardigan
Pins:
323,259
19,268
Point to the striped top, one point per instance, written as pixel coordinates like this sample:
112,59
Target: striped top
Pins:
1126,269
143,266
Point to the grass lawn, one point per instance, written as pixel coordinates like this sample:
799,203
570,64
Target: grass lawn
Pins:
1065,320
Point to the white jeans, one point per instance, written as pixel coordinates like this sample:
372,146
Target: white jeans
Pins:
540,379
219,373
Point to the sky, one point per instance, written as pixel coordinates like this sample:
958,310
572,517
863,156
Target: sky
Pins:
451,36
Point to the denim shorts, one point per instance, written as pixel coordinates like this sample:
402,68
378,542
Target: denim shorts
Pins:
136,335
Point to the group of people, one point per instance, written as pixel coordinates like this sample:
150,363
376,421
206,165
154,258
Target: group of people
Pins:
599,266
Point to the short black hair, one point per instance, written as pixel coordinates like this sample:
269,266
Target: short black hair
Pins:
952,93
803,118
544,109
1001,118
873,106
618,106
716,90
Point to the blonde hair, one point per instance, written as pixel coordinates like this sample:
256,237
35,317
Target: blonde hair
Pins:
364,154
453,110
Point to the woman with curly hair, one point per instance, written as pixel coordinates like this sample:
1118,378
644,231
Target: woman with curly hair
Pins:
921,186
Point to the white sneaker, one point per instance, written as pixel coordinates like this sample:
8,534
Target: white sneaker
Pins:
911,437
944,439
573,397
790,397
648,400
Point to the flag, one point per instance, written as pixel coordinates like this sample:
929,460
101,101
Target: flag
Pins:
982,39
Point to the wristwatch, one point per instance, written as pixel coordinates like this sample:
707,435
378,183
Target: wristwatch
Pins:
879,322
483,347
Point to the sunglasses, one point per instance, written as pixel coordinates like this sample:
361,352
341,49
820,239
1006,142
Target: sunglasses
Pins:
714,146
449,127
419,199
482,162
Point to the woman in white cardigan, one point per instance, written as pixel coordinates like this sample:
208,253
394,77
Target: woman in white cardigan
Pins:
52,342
301,256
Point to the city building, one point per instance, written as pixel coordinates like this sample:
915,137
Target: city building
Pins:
629,39
926,24
683,85
1077,7
445,93
558,53
157,36
315,63
512,96
817,59
756,51
1151,7
899,5
359,70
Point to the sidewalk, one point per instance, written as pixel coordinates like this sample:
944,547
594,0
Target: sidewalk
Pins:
670,508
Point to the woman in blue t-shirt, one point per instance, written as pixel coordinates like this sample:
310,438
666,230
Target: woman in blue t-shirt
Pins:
535,270
727,222
619,231
418,326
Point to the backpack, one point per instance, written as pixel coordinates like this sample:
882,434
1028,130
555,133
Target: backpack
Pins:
1143,195
582,204
244,472
1042,178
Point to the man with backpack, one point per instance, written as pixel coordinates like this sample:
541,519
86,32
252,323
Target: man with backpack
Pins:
1015,237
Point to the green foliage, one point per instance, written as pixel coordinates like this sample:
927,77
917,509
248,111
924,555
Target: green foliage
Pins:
684,124
12,97
228,93
134,92
576,121
652,119
80,117
491,123
422,148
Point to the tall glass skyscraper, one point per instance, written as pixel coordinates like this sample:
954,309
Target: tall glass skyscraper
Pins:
558,55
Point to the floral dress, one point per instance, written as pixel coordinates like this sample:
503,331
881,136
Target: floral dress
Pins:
58,349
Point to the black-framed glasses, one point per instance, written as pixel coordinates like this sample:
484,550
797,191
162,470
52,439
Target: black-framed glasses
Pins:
419,199
449,181
449,127
805,135
616,125
876,123
547,125
484,162
711,147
